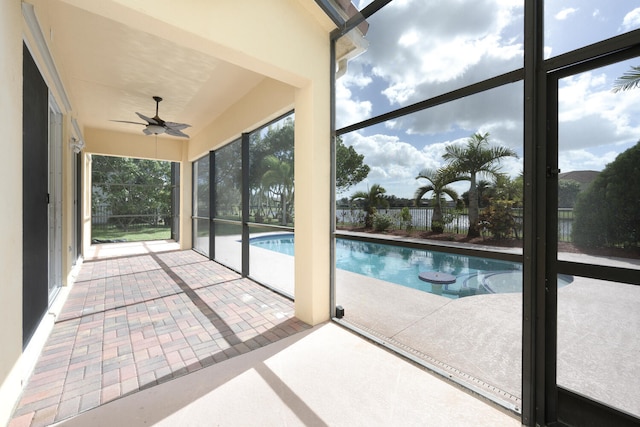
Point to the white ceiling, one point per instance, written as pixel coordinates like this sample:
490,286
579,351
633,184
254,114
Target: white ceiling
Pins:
111,70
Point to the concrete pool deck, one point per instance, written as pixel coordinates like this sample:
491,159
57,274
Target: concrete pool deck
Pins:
477,340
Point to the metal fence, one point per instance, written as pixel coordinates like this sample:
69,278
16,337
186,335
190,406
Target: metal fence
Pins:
565,224
102,219
455,221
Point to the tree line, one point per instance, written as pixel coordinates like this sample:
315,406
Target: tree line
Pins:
478,157
605,214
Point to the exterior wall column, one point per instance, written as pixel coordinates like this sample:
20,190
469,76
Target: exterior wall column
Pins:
11,208
312,198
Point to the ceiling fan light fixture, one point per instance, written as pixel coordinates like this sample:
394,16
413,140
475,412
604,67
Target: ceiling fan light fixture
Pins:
155,129
156,126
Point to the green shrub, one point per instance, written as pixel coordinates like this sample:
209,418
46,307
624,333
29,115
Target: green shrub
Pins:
498,219
607,213
382,222
405,219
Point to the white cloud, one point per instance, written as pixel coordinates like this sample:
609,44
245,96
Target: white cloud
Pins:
631,20
349,109
409,38
424,48
498,111
418,50
399,158
584,160
358,80
590,115
394,163
565,13
512,166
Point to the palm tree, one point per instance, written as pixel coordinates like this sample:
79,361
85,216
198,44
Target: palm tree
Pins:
505,188
278,179
373,198
477,157
629,80
484,189
438,182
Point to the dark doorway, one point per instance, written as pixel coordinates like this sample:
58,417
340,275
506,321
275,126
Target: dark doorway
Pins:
35,197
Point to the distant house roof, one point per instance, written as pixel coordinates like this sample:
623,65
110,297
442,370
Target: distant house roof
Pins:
583,177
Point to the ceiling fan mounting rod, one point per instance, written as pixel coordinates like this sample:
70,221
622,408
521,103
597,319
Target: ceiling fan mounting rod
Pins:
157,99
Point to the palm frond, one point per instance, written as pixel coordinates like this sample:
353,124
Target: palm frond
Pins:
629,80
428,174
451,193
359,195
420,192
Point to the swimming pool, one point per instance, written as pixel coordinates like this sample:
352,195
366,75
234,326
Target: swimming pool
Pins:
402,266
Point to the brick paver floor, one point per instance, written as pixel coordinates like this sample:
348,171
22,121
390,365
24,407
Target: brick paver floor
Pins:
136,321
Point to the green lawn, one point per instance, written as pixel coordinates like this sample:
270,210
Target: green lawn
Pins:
136,235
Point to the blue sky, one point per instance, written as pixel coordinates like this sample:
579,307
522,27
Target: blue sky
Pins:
418,49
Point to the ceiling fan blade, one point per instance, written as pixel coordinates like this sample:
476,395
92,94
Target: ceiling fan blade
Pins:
126,121
176,132
155,125
176,126
148,119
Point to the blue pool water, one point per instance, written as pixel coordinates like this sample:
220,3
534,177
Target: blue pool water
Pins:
403,265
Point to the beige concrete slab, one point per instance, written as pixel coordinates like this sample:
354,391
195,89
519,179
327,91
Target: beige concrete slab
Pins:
475,339
326,376
383,306
478,339
479,335
599,341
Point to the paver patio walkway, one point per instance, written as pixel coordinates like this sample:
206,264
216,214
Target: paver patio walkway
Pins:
136,321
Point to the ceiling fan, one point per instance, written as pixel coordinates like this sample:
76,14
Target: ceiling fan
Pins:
155,125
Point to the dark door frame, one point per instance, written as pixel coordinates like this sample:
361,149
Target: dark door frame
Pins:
563,405
35,197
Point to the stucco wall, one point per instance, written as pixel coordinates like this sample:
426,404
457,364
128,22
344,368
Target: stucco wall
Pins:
108,143
265,102
11,206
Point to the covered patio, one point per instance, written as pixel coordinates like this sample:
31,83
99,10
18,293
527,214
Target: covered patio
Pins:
142,314
79,77
150,334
